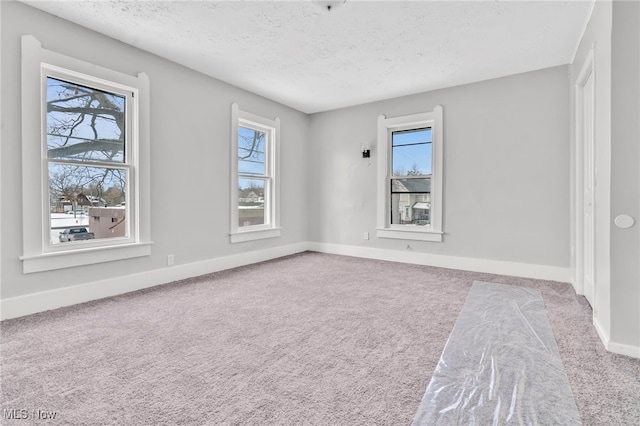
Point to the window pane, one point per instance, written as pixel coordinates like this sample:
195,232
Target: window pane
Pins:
86,202
411,201
408,137
411,209
411,152
251,144
251,202
84,123
414,185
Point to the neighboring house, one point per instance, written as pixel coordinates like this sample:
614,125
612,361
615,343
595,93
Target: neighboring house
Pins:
96,201
107,222
250,196
250,208
411,201
250,215
67,202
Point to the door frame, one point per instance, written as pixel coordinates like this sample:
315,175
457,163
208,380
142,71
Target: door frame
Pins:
587,70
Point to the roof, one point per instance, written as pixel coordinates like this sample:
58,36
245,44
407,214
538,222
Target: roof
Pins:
421,185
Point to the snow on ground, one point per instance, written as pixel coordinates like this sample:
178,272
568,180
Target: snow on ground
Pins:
61,221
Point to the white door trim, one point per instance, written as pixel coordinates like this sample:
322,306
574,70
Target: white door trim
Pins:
587,71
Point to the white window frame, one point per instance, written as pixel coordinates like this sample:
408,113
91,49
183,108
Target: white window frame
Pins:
386,127
38,254
271,227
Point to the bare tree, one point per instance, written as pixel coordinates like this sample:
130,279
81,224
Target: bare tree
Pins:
85,126
414,171
252,145
84,123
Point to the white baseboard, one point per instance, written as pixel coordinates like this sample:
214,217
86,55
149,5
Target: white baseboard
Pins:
616,348
525,270
66,296
602,332
622,349
43,301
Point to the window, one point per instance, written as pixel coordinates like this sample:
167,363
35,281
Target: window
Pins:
410,176
411,153
88,147
254,191
85,155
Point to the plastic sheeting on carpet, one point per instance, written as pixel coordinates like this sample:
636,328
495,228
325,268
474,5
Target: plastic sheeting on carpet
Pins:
500,365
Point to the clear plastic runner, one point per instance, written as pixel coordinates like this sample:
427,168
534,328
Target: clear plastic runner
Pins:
500,366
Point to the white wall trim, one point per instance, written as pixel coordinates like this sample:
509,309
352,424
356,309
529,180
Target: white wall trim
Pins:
616,348
604,336
587,70
525,270
43,301
622,349
585,25
37,253
270,127
386,127
19,306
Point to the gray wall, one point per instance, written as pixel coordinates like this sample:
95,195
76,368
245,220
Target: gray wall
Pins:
598,36
506,170
190,138
614,33
625,172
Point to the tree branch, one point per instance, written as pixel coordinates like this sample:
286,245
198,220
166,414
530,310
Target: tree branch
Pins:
88,145
85,110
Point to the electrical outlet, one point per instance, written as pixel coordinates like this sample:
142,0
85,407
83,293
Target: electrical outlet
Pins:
170,260
366,235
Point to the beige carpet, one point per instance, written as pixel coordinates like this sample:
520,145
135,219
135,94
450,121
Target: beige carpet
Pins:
306,339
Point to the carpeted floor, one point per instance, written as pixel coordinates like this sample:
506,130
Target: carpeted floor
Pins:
305,339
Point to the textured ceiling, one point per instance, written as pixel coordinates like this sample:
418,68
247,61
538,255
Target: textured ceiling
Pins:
312,59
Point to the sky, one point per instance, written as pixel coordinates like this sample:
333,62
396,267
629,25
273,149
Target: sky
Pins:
412,148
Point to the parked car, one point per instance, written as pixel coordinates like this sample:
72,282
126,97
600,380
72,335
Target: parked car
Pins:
76,234
78,212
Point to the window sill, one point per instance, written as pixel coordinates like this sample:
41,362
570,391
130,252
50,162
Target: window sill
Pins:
410,234
256,234
89,256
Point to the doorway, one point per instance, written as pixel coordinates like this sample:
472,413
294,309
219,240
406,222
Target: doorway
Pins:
585,180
